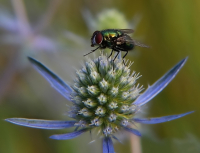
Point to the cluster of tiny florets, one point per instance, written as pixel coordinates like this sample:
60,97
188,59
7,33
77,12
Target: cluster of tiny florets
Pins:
103,94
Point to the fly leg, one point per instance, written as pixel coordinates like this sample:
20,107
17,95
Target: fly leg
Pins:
91,51
124,57
110,54
115,57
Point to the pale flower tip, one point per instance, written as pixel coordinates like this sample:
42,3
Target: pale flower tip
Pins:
7,119
189,112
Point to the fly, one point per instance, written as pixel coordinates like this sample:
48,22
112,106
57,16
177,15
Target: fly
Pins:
115,39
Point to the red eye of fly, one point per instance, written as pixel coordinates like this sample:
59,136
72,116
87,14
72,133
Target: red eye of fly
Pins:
98,38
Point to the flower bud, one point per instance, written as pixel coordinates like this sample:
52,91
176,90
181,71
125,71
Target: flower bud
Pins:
100,111
102,99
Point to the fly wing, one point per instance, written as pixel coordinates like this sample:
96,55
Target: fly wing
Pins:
127,31
139,44
128,39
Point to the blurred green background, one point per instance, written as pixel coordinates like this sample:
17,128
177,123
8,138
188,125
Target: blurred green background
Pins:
57,33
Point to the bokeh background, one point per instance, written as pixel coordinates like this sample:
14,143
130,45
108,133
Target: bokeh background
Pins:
57,33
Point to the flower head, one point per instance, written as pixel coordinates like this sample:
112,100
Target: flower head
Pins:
103,98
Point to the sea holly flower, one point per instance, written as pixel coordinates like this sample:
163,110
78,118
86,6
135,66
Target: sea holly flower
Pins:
106,18
19,32
103,99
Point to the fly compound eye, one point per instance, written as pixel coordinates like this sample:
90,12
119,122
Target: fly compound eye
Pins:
98,38
93,41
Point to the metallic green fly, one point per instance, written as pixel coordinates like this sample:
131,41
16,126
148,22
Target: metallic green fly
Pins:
115,39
